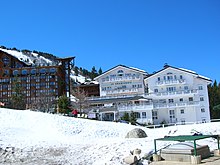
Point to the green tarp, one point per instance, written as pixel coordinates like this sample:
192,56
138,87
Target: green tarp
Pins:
182,138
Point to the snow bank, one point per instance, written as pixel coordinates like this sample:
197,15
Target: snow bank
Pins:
29,137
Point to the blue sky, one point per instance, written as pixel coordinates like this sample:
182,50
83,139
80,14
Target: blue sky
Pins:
104,33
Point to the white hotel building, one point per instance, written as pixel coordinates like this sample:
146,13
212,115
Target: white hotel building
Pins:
171,95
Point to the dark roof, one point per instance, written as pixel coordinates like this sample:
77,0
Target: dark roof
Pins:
14,57
180,69
135,69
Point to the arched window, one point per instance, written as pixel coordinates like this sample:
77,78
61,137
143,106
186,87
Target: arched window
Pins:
33,71
120,73
24,72
43,70
15,72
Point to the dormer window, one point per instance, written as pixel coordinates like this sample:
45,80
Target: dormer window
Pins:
5,60
43,70
33,71
15,72
24,72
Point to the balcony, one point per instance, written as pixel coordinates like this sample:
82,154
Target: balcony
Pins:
135,107
170,82
121,78
175,105
122,91
174,93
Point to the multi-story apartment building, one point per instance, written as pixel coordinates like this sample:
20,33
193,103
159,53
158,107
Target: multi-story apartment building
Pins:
37,82
178,95
170,95
122,90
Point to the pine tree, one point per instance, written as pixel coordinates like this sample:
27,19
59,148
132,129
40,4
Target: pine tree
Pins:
76,70
64,105
132,118
214,99
100,71
17,98
93,73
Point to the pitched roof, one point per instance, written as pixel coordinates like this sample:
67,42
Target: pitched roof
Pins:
181,69
132,68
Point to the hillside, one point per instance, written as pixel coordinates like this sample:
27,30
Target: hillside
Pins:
34,138
38,58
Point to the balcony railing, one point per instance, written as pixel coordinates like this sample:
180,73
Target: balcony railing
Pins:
122,91
179,104
122,78
111,97
167,82
134,107
182,92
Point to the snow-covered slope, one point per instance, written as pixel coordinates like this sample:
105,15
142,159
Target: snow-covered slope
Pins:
29,58
28,137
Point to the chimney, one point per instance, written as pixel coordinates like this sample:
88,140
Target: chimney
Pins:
165,65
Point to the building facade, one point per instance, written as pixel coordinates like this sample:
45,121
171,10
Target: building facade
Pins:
37,83
122,90
171,95
178,95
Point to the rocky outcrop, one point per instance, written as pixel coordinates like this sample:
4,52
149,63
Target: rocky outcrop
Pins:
136,133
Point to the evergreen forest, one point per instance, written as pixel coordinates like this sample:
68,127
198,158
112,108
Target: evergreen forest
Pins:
214,100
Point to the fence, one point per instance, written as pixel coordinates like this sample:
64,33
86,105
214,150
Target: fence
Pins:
180,123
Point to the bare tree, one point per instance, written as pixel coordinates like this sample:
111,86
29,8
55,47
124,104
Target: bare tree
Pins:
42,103
81,102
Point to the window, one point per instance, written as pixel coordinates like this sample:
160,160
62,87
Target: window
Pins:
201,98
144,115
181,77
155,90
182,111
5,60
170,100
139,85
137,115
171,89
169,77
200,87
183,121
52,70
24,72
154,115
120,73
181,99
190,98
33,71
6,72
158,79
202,110
186,87
172,116
43,70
